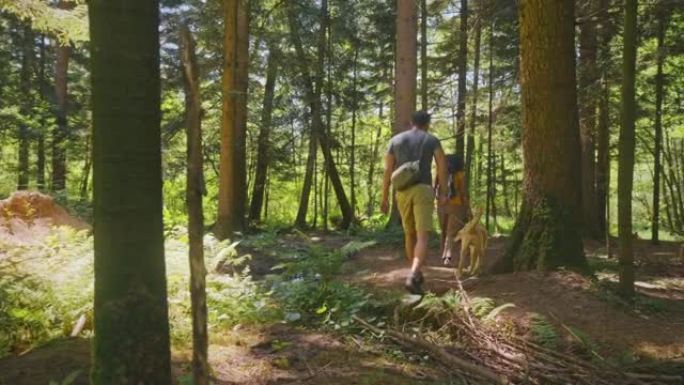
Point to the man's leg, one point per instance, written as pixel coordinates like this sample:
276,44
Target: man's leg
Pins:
409,244
420,252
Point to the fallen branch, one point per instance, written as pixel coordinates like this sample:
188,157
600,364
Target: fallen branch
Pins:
437,353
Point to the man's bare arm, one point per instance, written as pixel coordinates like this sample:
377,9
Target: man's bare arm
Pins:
386,180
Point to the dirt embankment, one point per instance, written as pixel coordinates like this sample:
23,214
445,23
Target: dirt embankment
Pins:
26,216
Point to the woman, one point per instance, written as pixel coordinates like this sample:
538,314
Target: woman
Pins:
453,215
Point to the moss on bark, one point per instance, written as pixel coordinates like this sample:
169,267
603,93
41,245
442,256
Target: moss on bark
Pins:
546,237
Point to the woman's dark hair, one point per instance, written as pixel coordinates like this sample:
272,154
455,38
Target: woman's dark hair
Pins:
455,163
421,118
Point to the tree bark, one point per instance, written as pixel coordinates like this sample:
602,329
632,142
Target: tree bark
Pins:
61,131
263,142
587,82
626,147
228,220
131,344
546,235
659,92
25,108
462,70
194,193
406,67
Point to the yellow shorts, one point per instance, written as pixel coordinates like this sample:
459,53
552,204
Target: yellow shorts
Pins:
416,205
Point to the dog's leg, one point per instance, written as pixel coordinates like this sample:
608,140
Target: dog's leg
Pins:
474,259
464,247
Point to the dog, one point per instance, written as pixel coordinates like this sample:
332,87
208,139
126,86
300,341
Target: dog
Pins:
473,237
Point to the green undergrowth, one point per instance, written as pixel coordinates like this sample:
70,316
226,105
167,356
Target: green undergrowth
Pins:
45,287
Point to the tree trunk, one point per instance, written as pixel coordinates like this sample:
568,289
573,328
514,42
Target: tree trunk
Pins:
504,186
626,147
193,195
314,96
546,235
355,106
87,166
405,78
423,56
490,121
25,108
263,142
375,150
60,134
40,163
131,344
587,82
241,114
300,220
462,69
659,92
603,143
228,220
603,164
473,115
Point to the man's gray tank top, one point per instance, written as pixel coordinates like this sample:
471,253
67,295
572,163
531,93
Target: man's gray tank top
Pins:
406,147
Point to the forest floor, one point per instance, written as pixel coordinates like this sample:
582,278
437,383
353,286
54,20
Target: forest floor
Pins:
578,313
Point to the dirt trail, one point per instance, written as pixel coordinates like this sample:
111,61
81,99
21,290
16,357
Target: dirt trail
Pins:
566,299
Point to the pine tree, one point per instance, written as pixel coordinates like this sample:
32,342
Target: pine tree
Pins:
546,234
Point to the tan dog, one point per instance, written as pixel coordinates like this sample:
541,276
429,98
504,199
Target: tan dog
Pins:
473,237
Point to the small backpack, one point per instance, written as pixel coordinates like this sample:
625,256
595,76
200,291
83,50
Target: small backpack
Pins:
408,173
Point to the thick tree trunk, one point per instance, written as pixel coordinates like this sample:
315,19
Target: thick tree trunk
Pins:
470,147
25,108
423,56
228,220
131,344
263,142
462,70
659,92
626,147
193,195
588,86
546,234
405,77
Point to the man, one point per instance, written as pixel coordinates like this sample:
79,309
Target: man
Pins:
416,202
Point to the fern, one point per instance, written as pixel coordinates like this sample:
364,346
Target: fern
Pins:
354,247
543,332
